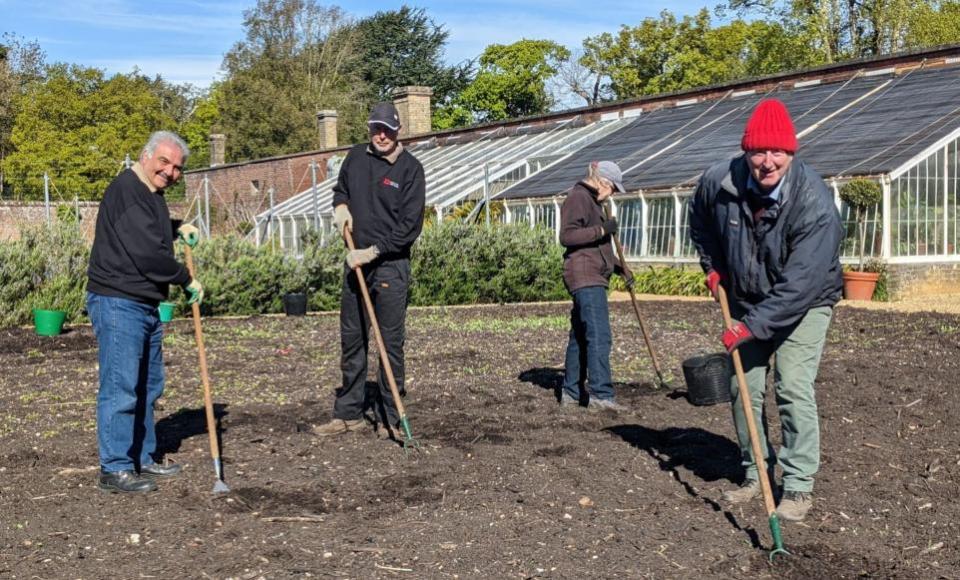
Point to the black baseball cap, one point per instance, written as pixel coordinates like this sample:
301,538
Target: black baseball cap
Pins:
385,114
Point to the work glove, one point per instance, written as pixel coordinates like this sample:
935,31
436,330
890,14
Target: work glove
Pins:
609,227
341,218
626,274
714,279
735,336
357,258
195,291
188,234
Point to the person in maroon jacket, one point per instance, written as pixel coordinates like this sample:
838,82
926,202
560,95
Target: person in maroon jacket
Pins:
379,197
588,262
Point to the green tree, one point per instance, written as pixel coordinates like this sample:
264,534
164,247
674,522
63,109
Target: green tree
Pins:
203,120
404,47
298,57
933,24
77,126
21,63
511,81
666,54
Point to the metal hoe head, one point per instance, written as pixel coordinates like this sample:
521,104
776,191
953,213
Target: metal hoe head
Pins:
408,440
219,486
778,549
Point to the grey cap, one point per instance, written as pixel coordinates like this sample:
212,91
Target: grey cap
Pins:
610,170
385,114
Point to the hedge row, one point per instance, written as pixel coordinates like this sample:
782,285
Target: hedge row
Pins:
452,264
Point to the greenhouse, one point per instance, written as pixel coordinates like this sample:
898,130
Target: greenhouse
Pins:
899,127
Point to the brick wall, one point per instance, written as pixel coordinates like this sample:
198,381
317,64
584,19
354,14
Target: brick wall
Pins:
16,215
920,279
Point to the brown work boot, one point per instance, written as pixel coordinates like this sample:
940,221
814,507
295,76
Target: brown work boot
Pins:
747,491
794,505
336,427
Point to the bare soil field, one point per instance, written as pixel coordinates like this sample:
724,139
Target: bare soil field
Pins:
506,485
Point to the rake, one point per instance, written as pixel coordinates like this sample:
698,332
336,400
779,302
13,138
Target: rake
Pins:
661,382
219,486
408,441
755,445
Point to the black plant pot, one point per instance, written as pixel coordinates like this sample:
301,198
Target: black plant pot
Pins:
295,304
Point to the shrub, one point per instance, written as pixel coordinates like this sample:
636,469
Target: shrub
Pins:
861,194
673,281
454,263
46,268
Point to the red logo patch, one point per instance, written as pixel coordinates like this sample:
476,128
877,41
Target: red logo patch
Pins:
393,184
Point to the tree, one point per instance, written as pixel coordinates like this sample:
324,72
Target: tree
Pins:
77,127
405,47
296,59
665,54
511,81
21,63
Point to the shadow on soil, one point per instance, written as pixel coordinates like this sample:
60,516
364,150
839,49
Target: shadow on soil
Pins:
551,379
707,455
185,423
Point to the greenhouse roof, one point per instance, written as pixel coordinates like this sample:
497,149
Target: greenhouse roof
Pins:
457,171
873,123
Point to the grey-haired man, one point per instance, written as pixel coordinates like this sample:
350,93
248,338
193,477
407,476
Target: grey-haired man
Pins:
132,265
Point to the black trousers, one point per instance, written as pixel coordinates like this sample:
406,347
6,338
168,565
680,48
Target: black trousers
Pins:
388,282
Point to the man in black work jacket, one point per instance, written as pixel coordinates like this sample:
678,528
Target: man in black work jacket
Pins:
767,231
379,197
131,268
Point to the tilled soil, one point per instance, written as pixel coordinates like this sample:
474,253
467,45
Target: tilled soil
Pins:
505,484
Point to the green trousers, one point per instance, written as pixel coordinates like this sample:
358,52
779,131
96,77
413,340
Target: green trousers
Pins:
796,359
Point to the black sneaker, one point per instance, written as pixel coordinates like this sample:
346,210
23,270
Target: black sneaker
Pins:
125,482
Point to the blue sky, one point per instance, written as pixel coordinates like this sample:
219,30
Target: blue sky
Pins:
185,40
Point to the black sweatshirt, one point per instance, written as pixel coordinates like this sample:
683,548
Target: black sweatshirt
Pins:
132,254
385,199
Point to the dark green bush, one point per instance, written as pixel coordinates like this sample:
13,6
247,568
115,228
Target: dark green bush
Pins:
455,263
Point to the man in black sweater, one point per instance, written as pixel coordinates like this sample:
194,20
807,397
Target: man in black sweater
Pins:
379,197
132,265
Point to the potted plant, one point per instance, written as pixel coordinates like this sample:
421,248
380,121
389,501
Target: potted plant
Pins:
296,279
860,195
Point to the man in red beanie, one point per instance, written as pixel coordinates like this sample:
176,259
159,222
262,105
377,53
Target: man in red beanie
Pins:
767,230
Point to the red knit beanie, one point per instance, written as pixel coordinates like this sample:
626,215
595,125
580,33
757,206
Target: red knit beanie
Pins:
769,127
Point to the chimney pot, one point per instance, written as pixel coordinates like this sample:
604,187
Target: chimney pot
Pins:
327,129
413,104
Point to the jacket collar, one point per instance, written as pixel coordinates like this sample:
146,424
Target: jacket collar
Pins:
138,169
736,181
593,192
392,158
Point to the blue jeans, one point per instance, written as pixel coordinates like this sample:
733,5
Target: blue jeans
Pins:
130,337
588,352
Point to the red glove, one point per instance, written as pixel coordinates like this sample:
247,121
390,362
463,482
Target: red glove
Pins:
714,279
735,336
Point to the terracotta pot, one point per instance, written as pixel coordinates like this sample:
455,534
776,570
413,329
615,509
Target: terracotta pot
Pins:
859,285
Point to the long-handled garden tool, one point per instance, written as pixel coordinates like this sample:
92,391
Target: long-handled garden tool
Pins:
755,443
408,440
636,307
219,486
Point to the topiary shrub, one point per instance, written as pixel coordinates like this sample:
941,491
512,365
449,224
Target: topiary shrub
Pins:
861,194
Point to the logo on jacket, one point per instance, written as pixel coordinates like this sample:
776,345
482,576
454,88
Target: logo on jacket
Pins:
393,184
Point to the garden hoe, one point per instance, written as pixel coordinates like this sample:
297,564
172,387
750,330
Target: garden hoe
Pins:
219,486
755,443
408,440
636,307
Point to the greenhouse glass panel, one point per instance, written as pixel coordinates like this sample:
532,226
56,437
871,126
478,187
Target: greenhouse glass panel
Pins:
953,181
661,227
919,213
873,242
519,214
687,249
630,218
545,215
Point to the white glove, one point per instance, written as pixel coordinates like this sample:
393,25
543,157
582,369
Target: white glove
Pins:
357,258
341,218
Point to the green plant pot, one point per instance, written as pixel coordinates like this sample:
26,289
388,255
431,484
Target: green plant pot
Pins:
165,309
48,322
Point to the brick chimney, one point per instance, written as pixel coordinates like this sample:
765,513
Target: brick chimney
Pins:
218,149
327,129
413,104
